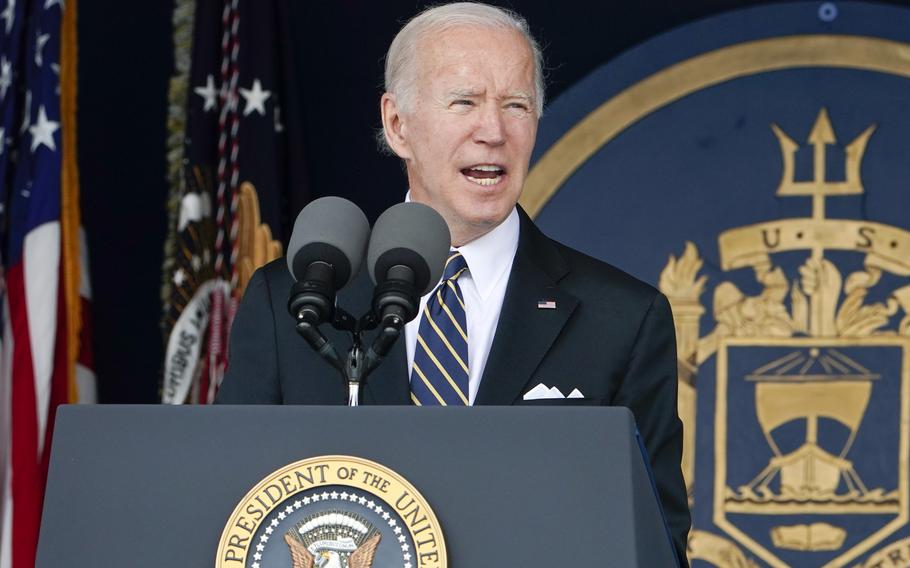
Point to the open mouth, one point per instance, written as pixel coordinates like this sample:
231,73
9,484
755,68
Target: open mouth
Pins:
484,174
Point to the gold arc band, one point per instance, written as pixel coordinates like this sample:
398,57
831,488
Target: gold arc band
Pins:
616,114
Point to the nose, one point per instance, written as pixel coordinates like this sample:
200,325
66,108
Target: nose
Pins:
491,128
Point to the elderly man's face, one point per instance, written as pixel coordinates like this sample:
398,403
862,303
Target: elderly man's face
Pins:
468,140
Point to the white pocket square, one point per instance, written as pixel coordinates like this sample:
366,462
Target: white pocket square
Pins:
542,391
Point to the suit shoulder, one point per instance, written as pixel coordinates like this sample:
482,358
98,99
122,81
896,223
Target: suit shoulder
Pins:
274,275
604,279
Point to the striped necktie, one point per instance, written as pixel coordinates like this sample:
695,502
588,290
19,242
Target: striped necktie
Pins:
440,372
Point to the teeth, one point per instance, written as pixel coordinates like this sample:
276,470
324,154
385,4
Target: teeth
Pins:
486,168
485,181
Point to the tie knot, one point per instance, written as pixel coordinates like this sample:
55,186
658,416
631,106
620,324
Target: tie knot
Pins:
455,265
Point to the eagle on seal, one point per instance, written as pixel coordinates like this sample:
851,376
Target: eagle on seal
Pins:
360,558
333,539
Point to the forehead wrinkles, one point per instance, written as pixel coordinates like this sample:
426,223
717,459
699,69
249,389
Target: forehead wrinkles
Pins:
453,61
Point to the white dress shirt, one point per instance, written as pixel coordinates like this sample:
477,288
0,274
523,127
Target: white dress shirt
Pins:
483,285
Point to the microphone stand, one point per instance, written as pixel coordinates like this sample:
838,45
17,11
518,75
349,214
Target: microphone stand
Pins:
394,304
359,362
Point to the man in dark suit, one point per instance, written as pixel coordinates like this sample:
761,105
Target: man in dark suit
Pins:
541,323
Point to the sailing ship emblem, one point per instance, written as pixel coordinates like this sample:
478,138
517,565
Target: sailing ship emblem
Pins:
812,397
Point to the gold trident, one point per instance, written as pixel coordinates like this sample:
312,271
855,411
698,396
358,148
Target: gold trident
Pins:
819,187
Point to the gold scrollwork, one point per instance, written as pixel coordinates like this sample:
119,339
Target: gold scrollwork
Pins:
256,244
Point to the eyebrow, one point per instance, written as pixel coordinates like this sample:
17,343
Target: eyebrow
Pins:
473,93
464,93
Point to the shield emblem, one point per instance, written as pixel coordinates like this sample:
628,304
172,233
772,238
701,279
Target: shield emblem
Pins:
819,429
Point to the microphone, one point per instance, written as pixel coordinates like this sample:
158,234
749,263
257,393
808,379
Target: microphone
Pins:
406,257
325,252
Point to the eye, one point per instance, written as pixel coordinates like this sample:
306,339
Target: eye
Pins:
462,102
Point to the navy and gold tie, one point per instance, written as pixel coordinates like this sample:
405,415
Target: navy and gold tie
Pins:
440,372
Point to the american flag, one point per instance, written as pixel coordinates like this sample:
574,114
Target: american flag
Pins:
44,358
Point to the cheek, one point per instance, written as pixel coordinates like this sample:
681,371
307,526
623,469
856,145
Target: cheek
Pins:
524,133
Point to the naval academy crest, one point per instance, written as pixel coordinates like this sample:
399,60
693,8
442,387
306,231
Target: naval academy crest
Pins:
799,365
763,185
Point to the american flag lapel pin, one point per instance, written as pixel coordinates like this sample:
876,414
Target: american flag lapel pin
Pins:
546,304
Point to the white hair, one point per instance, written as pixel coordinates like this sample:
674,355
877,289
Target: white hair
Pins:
401,59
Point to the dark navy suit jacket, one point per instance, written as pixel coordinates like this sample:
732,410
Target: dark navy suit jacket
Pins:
611,336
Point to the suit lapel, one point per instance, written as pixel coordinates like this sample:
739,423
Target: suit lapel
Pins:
388,384
525,332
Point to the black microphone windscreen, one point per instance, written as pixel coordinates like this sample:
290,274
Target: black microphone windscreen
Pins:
332,230
412,235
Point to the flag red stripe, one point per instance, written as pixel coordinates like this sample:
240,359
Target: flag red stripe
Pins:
26,480
59,379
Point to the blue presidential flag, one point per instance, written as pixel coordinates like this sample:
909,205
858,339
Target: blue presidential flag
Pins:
237,174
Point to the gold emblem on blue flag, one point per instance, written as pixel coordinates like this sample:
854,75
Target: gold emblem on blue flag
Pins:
812,390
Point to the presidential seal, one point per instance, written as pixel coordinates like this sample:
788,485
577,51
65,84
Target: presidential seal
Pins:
332,512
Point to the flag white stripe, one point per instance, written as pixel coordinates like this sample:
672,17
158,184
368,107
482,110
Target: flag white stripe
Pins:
6,432
41,271
6,522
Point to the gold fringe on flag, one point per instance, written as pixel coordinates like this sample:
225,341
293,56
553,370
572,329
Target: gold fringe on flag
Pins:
70,216
184,11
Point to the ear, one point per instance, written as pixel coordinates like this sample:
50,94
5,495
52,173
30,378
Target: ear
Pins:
393,126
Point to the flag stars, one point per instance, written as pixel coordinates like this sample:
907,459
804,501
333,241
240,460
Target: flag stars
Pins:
56,69
26,112
208,93
41,41
255,98
9,14
6,76
43,131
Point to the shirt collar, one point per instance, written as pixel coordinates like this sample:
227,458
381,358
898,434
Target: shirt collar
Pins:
490,257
